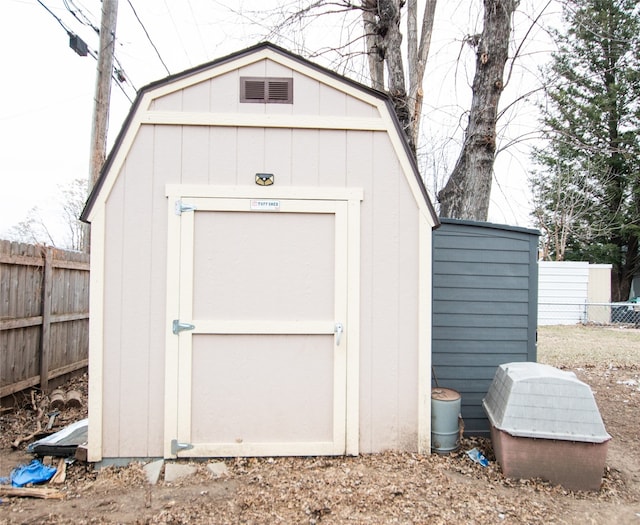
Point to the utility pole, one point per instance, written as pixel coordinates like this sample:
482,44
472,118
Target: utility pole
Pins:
100,120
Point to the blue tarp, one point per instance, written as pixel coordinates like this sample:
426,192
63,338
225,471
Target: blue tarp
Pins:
34,472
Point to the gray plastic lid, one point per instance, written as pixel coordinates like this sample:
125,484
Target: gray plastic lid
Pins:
540,401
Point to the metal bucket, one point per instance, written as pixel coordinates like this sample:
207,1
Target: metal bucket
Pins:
445,410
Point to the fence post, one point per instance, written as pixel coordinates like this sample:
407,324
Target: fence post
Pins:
45,338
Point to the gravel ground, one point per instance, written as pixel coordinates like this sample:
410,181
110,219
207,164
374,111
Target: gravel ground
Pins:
381,488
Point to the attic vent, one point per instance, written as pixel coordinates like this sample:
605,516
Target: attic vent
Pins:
266,90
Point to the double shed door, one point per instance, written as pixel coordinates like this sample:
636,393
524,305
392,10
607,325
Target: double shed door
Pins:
258,358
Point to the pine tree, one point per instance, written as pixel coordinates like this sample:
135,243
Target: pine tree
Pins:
587,192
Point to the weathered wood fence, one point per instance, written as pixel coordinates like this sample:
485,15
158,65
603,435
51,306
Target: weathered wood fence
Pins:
44,315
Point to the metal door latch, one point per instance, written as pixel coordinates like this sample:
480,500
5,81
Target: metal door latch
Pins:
338,331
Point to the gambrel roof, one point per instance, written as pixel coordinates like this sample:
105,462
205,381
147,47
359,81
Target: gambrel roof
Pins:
141,113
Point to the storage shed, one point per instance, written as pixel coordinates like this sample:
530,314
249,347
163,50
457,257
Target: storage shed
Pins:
485,293
261,269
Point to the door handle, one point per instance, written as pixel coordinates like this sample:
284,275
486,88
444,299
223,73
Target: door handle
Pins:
339,329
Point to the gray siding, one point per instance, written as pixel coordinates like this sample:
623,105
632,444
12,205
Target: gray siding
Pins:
485,288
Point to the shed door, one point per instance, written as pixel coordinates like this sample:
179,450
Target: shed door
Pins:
263,371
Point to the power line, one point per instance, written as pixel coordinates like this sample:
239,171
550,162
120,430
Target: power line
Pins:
115,76
197,28
75,12
175,28
148,37
77,47
54,16
120,74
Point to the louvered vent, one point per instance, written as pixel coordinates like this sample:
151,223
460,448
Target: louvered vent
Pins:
266,90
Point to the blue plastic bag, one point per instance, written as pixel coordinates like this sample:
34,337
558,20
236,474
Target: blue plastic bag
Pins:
477,457
34,472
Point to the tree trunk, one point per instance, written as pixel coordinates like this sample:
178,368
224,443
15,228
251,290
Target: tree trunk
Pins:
418,46
391,43
622,275
466,195
384,46
374,45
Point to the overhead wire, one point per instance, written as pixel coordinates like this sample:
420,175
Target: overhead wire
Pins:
76,11
148,36
56,17
90,51
121,75
175,28
195,20
94,54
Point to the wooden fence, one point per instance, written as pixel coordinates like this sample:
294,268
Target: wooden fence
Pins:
44,315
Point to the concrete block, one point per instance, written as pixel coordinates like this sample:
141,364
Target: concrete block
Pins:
152,470
218,469
175,471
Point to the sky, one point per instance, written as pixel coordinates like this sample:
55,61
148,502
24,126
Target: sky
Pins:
47,90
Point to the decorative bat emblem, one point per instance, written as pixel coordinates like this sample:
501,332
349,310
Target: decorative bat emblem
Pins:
264,179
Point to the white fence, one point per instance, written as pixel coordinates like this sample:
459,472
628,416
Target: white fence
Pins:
576,292
554,313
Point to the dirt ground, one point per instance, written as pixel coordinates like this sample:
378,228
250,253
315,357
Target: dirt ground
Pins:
382,488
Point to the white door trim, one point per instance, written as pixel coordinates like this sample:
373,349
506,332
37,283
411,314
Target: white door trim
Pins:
180,228
260,192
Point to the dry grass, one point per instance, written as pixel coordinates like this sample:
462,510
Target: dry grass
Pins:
373,488
589,346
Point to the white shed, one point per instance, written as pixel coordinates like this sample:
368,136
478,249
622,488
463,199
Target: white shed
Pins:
571,292
260,269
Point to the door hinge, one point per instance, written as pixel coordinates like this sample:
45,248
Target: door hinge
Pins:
180,207
181,327
176,447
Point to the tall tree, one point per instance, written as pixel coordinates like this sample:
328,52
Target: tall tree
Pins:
591,119
382,42
384,47
467,195
468,190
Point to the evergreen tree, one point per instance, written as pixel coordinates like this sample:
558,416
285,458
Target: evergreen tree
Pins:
587,191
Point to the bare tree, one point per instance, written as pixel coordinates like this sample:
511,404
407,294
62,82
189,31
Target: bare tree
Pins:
390,67
72,203
62,227
467,193
381,42
32,229
567,208
384,47
562,205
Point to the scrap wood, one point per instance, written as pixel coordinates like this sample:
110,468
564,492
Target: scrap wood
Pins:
31,492
30,437
61,473
52,418
38,431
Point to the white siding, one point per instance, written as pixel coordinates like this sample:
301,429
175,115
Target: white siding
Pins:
562,292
